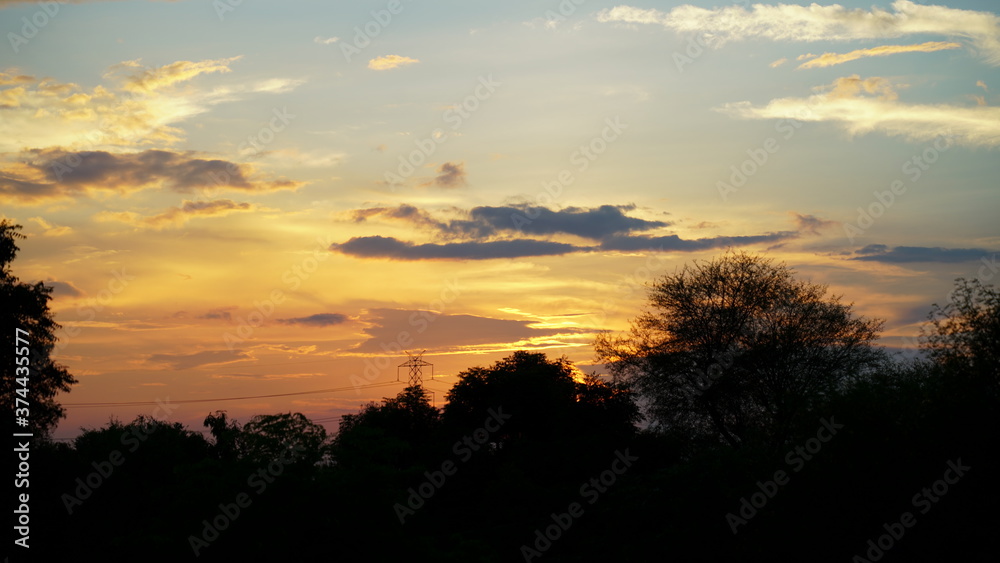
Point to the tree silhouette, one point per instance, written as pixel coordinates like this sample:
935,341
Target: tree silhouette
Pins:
963,336
268,437
544,398
389,434
737,348
227,434
26,307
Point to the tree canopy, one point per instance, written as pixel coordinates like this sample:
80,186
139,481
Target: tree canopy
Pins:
737,347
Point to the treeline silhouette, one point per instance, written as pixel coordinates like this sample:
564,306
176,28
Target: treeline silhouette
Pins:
531,459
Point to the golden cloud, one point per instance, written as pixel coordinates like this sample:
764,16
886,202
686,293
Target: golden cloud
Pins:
177,216
830,59
390,62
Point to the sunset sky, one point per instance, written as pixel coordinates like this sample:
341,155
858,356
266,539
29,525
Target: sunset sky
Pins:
236,199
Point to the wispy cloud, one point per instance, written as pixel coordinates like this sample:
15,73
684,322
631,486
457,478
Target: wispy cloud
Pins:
790,22
846,104
830,59
137,106
177,216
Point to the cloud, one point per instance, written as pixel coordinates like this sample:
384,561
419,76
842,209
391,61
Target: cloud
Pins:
317,320
136,106
137,78
390,62
812,224
177,216
487,221
219,313
789,22
910,254
606,224
198,359
982,85
830,59
395,249
666,243
63,289
445,331
8,78
449,175
51,230
53,174
326,40
845,105
778,62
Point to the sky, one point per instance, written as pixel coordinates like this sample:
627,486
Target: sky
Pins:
261,200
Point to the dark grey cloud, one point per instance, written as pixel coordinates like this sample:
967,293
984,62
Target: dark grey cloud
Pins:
489,221
395,249
592,223
75,173
319,319
910,254
675,243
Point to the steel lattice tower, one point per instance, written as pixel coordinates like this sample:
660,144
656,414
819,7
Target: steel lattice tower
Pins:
416,365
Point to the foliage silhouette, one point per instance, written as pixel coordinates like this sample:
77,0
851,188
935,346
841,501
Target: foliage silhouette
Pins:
738,349
26,306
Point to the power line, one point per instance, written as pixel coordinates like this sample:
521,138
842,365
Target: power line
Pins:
188,401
